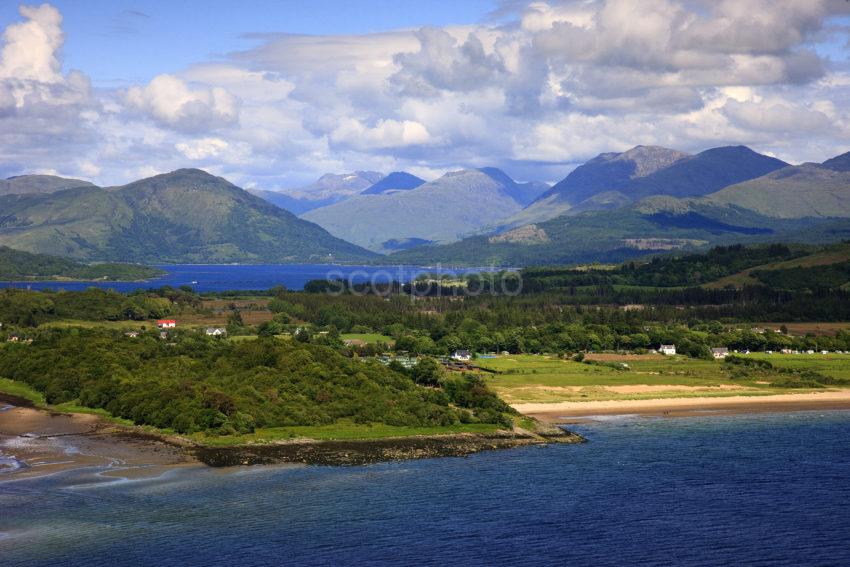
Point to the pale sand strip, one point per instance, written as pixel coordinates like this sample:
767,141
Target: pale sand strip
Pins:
830,399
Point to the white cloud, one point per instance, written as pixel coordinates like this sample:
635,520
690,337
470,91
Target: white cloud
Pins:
203,148
45,117
385,134
562,82
172,102
30,48
779,117
442,62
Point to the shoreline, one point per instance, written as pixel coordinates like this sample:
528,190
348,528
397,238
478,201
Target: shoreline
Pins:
38,442
573,412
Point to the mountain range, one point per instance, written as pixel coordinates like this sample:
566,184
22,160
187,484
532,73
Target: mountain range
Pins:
187,215
443,210
327,190
613,180
682,206
615,206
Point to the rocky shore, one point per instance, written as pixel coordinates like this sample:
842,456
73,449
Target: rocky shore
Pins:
359,452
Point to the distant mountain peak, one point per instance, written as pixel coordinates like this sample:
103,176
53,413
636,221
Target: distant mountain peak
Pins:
395,181
839,162
649,159
498,175
610,171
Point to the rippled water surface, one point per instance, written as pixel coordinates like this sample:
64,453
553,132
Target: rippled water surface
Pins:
747,489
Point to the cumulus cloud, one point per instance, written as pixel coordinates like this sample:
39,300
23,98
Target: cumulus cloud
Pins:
172,102
30,48
385,134
41,110
550,86
780,116
203,148
442,62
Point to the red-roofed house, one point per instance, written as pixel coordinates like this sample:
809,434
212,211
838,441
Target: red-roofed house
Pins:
166,324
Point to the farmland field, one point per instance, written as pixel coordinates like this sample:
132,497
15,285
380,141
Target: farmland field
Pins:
547,379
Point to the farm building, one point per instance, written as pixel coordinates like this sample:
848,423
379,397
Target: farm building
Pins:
669,350
166,324
720,353
462,355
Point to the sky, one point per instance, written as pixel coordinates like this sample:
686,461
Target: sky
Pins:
272,94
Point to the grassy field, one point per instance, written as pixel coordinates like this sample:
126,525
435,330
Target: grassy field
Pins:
835,365
119,325
21,390
371,338
340,431
544,379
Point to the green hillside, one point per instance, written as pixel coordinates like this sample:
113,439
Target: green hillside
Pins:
677,270
26,184
19,266
807,190
184,216
651,227
815,264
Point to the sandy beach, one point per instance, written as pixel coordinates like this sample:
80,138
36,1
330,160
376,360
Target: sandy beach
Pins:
567,412
34,442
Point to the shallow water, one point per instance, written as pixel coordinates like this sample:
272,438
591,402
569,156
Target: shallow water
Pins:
709,490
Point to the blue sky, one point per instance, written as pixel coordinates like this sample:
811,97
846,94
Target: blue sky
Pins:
119,42
274,94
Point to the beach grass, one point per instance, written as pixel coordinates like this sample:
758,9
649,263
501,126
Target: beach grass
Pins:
21,390
74,407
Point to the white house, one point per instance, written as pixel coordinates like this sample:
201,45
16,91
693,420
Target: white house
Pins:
462,355
720,353
216,331
669,350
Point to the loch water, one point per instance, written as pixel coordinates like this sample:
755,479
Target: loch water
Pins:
750,489
227,277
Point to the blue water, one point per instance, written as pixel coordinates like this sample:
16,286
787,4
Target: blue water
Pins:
766,489
218,277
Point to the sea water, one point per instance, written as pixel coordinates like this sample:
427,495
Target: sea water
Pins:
760,489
